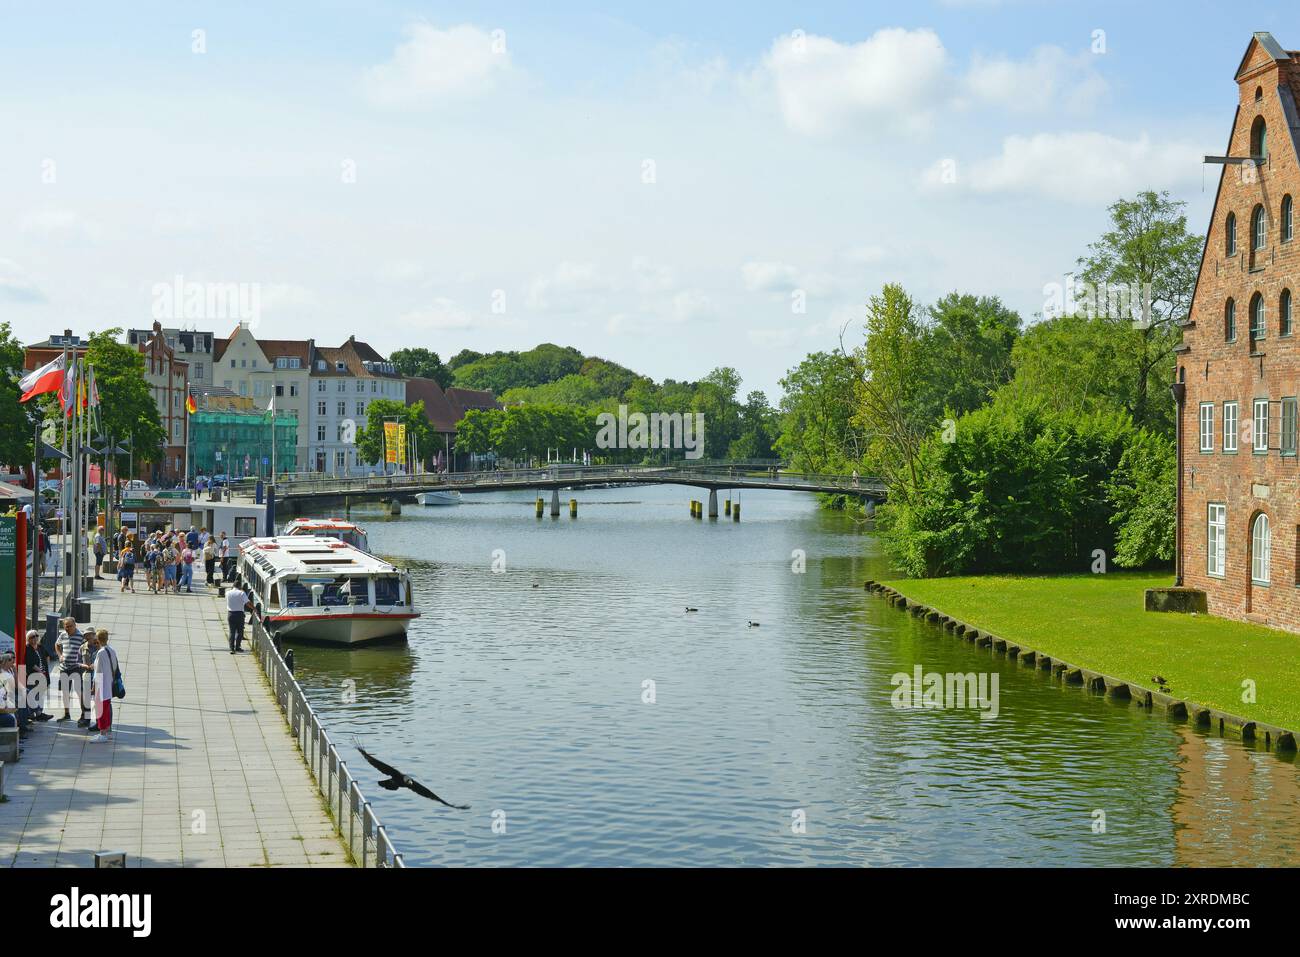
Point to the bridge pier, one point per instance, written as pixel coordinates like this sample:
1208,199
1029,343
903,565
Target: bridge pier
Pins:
713,503
869,507
555,503
394,507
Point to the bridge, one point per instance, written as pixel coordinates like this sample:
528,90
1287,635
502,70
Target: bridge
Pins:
302,491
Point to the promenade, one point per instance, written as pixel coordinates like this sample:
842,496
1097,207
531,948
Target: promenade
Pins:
201,770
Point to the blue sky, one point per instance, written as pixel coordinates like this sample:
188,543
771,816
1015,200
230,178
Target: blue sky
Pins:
670,187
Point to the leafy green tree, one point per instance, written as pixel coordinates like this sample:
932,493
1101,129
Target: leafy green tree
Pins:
715,396
370,438
1143,494
1076,364
1148,249
127,408
464,357
1020,487
474,431
420,362
758,429
968,344
818,433
892,382
17,422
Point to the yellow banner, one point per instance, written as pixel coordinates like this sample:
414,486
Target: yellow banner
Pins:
390,442
401,443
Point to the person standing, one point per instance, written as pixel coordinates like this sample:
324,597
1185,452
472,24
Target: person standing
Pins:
169,556
209,559
104,672
8,691
89,649
187,569
236,605
223,553
99,549
68,648
38,676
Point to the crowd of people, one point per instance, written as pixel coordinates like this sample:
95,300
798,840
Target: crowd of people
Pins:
88,670
167,558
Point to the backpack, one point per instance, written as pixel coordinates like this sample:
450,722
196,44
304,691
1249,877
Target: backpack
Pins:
119,686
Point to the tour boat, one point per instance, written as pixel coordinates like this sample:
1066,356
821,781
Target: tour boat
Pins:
318,588
339,528
449,497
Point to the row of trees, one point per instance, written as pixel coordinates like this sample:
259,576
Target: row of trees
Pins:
1012,447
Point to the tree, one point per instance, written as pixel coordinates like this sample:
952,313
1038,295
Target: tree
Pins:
474,431
715,396
1020,487
758,427
1143,494
16,421
420,362
968,344
892,379
1148,252
1076,364
818,433
127,410
370,439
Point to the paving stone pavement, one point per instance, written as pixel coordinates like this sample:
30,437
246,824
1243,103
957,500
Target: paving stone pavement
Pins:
201,770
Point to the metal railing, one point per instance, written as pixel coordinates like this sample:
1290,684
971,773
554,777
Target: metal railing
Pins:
738,476
354,819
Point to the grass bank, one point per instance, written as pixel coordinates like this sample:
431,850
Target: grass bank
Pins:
1097,622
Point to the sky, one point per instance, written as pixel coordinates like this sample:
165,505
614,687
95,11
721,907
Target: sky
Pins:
672,186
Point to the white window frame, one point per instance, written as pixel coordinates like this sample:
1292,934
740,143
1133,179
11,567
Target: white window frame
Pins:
1207,426
1261,547
1230,426
1260,418
1216,545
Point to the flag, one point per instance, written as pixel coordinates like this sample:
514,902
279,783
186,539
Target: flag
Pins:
48,378
92,390
67,395
190,407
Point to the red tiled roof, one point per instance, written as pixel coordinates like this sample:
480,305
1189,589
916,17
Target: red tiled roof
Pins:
437,409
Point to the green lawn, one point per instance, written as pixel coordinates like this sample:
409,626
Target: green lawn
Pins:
1097,622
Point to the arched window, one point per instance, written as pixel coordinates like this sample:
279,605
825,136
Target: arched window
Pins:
1259,138
1259,550
1284,326
1259,93
1287,218
1230,321
1230,235
1256,317
1258,229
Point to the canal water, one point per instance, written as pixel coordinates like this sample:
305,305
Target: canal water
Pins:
589,719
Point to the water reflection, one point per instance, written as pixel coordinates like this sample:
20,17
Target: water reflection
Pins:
575,695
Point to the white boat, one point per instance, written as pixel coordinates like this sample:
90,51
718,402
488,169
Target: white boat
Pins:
317,588
339,528
449,497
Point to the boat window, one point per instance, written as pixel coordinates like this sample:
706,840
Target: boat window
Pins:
388,591
297,595
341,590
275,596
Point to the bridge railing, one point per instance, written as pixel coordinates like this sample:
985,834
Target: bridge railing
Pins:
740,475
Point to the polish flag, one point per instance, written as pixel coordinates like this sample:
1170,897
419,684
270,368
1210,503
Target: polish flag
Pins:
48,378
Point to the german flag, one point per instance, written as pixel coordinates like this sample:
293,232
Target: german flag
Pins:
190,407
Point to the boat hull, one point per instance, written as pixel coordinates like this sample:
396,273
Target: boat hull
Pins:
340,629
438,498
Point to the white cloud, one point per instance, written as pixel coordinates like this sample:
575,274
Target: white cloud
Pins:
443,313
63,224
1048,78
773,338
1084,167
16,285
571,286
689,305
436,64
769,276
897,77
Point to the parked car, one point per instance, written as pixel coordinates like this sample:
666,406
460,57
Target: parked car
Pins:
136,485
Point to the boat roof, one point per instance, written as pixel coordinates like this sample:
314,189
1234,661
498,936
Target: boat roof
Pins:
306,554
310,523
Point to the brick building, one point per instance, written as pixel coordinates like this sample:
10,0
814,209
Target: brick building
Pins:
1238,369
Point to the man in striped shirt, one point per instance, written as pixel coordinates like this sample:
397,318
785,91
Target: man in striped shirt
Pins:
72,674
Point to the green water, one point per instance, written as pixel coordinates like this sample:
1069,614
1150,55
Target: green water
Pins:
524,693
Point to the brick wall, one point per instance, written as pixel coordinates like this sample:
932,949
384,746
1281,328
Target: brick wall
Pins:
1216,370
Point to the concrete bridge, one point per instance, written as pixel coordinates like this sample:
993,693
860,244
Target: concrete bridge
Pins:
299,492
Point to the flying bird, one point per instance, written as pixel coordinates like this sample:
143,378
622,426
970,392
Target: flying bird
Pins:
396,779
